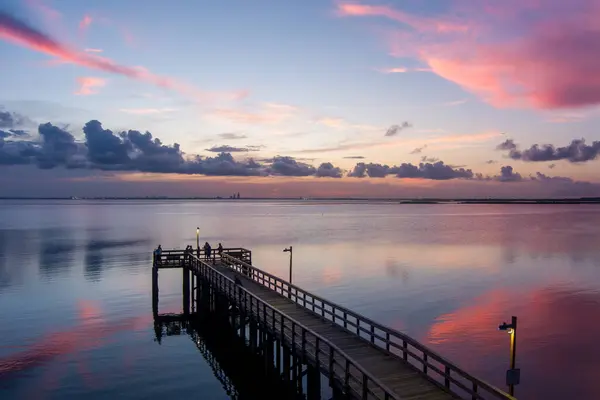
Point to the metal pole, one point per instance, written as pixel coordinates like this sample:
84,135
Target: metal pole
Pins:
290,280
513,352
290,264
198,242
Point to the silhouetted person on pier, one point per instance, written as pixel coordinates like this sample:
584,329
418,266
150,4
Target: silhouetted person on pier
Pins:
157,254
207,250
220,249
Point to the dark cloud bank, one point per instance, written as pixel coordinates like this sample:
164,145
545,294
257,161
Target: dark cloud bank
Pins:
436,171
103,149
132,150
576,152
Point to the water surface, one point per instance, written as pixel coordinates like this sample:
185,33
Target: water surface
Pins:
76,307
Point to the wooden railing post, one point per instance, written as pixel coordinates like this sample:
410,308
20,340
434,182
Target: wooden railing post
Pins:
373,334
304,344
347,378
186,289
447,377
331,366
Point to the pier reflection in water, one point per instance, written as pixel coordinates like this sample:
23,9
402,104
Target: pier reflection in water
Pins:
242,371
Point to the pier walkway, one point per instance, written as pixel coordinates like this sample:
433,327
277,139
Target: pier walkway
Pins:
361,358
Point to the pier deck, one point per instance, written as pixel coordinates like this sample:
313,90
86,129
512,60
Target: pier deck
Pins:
361,357
391,371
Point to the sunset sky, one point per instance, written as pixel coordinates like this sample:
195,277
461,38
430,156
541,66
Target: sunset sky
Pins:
438,98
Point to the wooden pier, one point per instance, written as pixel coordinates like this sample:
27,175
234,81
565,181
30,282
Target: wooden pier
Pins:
303,337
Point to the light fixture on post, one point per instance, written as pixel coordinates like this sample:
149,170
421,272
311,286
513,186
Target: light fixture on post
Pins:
513,375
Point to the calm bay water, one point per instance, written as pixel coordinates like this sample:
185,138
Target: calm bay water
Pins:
75,286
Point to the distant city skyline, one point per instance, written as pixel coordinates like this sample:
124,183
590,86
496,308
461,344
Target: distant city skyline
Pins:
333,98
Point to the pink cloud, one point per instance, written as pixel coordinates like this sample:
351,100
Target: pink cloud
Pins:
401,70
89,85
15,31
420,23
93,50
332,122
396,70
340,123
524,54
85,23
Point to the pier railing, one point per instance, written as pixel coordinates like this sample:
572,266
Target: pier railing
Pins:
306,343
175,258
444,373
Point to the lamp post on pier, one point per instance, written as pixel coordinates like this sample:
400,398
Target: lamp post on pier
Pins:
290,251
513,375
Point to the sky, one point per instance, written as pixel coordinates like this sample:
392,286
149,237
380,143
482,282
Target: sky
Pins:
321,98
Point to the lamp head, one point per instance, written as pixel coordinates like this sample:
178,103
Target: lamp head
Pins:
286,250
509,328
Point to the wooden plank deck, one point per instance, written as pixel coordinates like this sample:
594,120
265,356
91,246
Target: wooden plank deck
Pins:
399,376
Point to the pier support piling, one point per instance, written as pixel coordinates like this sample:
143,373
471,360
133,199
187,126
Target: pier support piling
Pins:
269,352
154,290
313,383
338,394
253,335
286,363
186,289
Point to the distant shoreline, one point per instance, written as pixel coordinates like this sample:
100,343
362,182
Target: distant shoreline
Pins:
581,200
